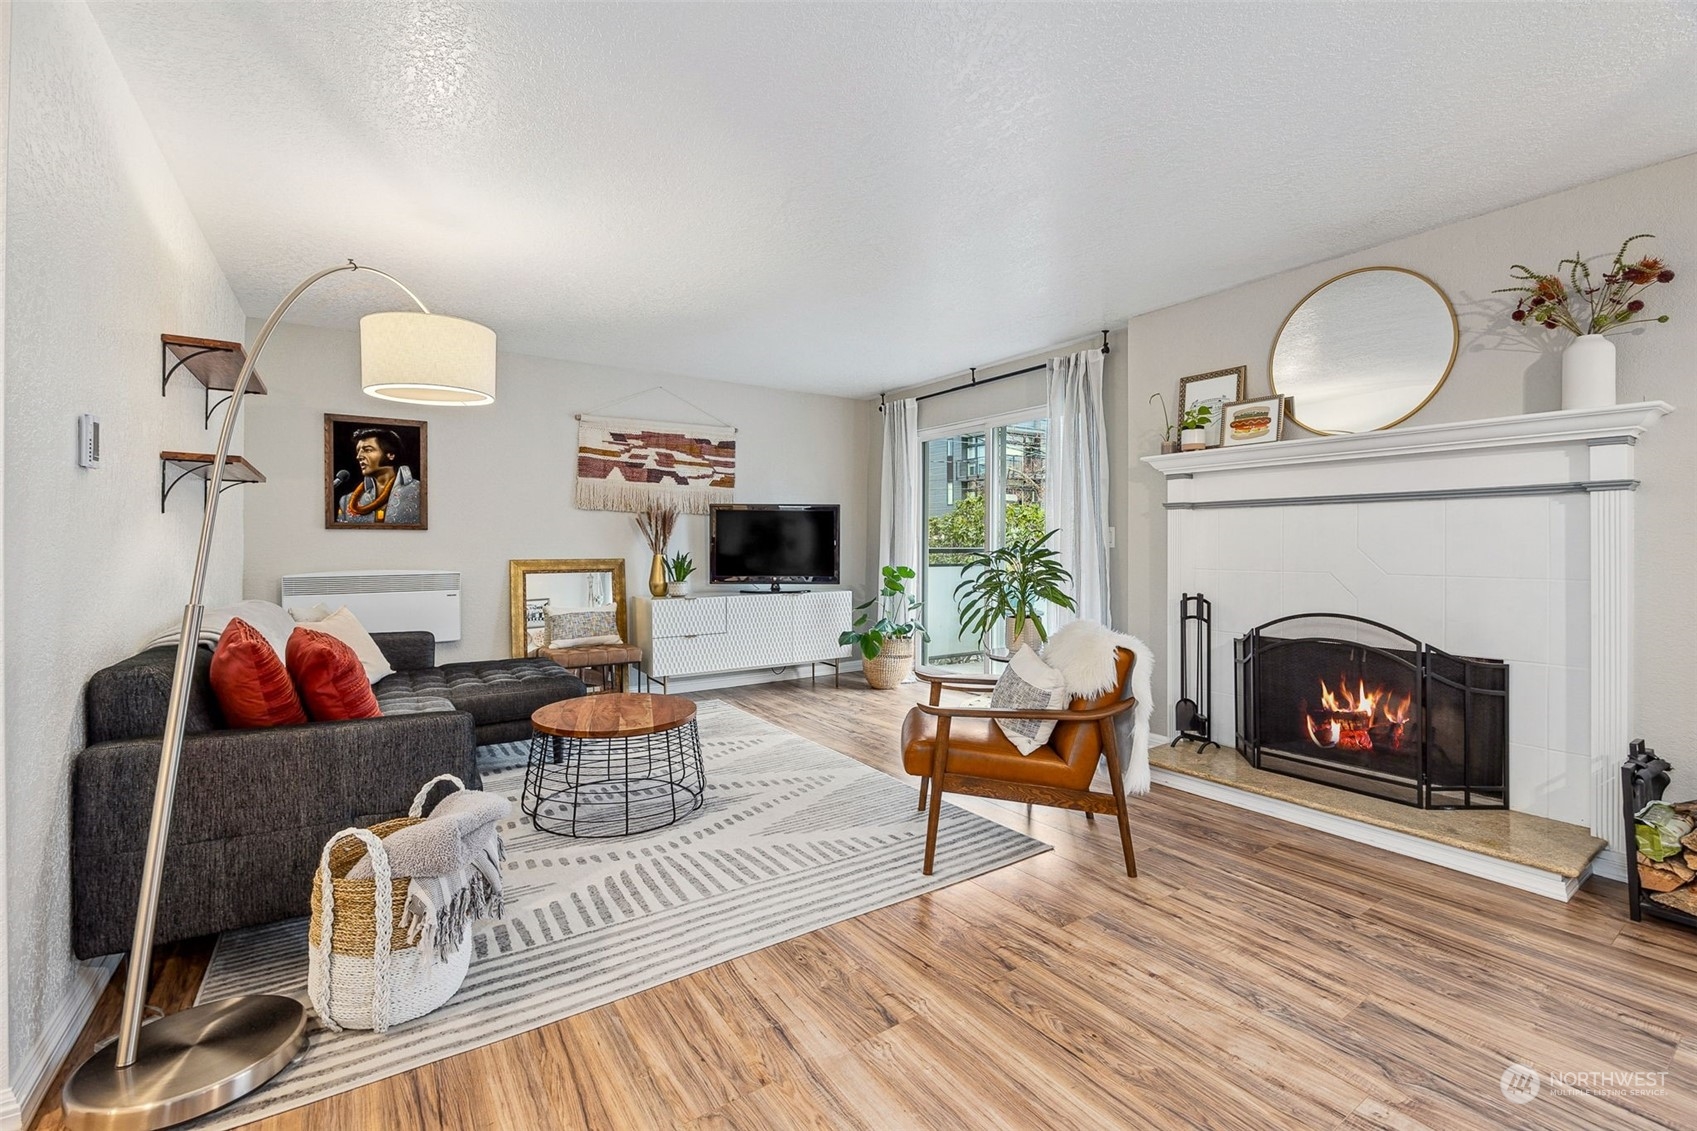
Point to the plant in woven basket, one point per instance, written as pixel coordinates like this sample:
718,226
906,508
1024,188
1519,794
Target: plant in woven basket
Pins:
1571,298
897,613
1012,583
680,567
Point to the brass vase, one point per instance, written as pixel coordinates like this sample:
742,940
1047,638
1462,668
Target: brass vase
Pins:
657,576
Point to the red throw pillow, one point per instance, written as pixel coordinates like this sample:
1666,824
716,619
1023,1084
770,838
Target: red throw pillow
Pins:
250,681
331,679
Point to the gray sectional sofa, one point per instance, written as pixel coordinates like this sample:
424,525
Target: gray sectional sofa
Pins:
254,807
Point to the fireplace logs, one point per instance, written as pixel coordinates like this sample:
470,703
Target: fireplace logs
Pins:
1352,703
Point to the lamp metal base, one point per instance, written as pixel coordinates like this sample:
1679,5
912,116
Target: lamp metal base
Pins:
187,1064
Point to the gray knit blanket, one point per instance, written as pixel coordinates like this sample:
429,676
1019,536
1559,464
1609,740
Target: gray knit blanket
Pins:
452,863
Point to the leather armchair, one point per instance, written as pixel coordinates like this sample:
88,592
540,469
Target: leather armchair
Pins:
962,750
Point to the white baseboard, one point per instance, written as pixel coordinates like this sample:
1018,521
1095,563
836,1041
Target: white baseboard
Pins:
11,1114
1610,864
683,685
64,1026
1534,880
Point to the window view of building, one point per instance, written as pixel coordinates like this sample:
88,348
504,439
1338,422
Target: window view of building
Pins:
963,473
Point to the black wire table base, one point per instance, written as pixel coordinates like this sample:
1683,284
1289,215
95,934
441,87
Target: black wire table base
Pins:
606,787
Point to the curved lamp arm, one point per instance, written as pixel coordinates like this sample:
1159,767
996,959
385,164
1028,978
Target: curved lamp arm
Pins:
153,866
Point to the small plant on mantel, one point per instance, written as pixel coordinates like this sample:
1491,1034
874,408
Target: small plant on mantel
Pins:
1193,426
1582,304
1196,417
1167,432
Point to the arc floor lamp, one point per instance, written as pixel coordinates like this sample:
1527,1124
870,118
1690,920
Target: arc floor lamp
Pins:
188,1063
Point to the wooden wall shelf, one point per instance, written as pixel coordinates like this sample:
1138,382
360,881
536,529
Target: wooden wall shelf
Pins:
198,465
213,363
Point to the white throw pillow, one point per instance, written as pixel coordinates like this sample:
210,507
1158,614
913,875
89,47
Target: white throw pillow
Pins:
269,620
1029,684
344,626
311,615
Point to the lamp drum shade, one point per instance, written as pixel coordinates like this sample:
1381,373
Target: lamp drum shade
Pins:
426,358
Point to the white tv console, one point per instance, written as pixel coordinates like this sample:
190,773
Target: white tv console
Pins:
730,632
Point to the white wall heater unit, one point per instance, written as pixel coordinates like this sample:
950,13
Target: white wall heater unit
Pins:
385,600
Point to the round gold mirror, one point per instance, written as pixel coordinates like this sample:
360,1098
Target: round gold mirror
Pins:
1364,351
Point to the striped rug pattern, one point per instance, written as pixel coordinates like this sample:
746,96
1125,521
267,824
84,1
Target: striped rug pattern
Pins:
793,837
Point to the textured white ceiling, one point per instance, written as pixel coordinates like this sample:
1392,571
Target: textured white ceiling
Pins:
851,197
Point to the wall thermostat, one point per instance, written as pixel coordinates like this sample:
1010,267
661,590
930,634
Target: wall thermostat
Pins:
88,440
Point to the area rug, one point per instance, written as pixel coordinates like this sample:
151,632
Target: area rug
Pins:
792,837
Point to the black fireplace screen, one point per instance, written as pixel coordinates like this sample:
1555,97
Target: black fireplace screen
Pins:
1352,703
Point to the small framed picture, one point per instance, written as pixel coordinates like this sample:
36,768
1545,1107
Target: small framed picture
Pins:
1223,385
374,473
1258,421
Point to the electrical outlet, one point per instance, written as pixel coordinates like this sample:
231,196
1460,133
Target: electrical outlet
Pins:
88,441
1110,537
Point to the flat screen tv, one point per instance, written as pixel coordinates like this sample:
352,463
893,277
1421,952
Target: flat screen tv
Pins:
772,544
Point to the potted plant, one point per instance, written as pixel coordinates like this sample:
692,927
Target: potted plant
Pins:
656,522
1588,309
886,647
679,569
1168,446
1010,585
1193,427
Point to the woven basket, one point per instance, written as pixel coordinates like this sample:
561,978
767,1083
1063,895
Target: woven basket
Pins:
361,974
892,664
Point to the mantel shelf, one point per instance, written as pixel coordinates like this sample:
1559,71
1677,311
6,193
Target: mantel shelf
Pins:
215,364
198,465
1615,424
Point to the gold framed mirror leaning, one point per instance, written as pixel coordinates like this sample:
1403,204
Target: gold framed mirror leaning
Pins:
1364,351
572,611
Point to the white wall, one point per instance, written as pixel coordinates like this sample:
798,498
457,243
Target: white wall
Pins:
102,256
501,478
1501,371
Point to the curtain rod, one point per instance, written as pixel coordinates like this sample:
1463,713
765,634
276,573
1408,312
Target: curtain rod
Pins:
974,383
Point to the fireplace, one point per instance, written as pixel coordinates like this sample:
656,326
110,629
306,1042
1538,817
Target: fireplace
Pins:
1352,703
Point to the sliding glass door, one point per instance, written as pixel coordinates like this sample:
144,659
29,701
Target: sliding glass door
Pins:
983,487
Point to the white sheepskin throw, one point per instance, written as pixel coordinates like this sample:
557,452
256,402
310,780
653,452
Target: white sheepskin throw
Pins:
1083,653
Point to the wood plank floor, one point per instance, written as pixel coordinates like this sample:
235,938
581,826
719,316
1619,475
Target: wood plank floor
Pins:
1255,975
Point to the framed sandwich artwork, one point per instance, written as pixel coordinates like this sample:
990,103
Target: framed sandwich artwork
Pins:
1257,421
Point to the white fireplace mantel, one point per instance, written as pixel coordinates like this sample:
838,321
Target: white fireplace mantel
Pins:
1618,424
1508,537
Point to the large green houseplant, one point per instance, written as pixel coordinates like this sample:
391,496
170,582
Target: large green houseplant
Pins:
1011,584
886,646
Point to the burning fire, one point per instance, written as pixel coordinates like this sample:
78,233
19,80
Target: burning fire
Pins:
1355,719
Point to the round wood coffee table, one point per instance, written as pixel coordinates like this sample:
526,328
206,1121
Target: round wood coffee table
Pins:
613,765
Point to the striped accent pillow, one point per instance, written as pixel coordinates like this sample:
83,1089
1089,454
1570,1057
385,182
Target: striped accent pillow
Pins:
1028,684
570,628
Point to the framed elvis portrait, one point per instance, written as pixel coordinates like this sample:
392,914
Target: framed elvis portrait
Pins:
374,473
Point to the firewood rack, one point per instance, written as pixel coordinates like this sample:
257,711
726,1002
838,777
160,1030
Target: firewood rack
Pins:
1643,778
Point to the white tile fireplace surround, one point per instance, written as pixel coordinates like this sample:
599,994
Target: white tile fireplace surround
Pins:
1508,538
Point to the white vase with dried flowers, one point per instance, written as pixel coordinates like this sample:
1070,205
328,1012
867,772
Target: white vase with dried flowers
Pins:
1588,309
656,523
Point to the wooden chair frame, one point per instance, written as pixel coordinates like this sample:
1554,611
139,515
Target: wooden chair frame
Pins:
1085,800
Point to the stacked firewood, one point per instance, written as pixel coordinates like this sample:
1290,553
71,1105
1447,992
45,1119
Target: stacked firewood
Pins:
1670,833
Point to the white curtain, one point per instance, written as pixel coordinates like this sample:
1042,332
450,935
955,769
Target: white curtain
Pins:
899,542
1075,496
